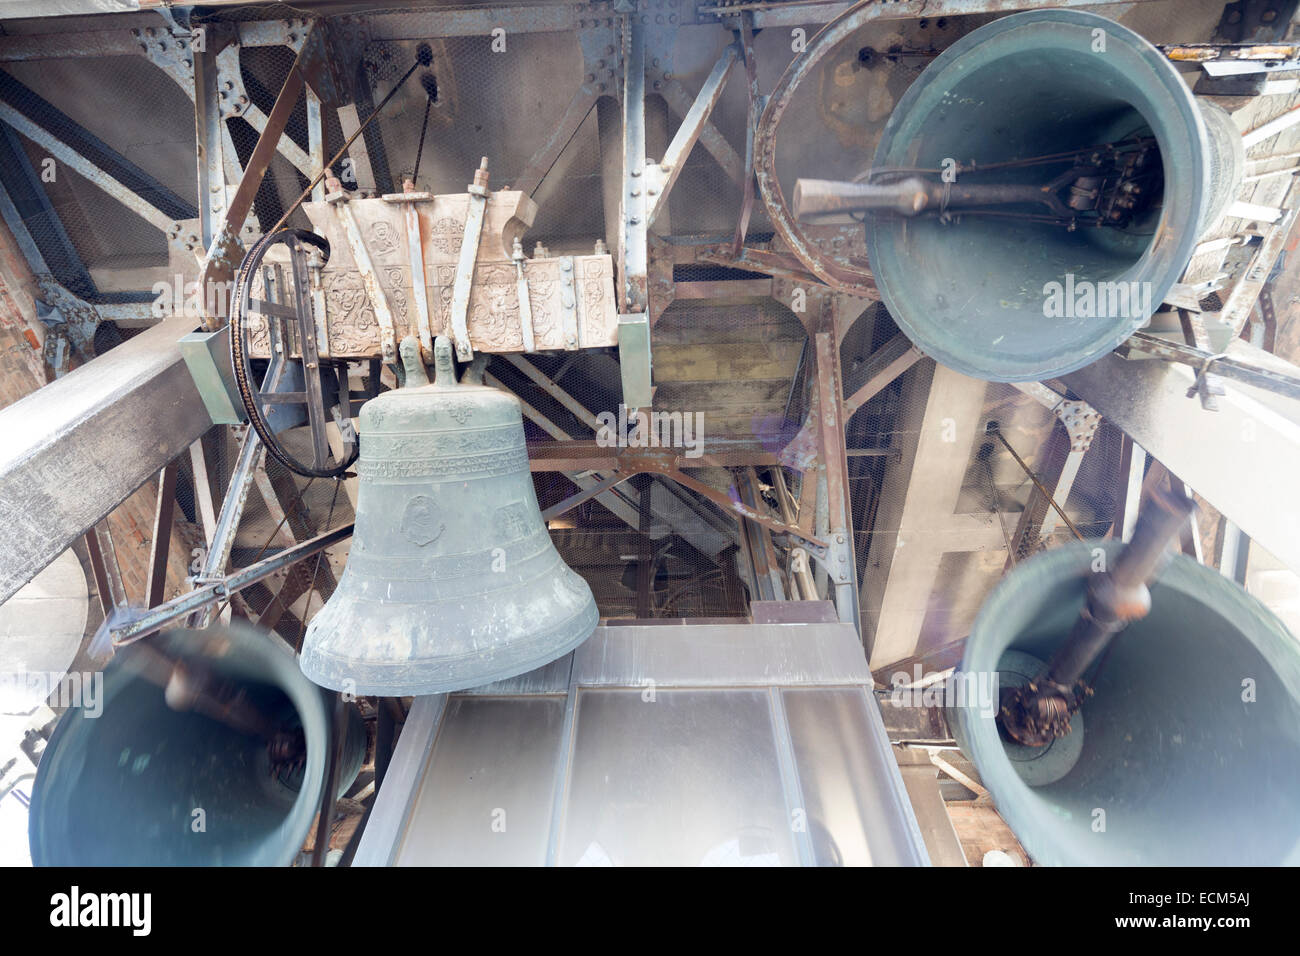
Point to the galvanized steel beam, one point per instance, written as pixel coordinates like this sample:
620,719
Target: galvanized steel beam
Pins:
79,446
1243,458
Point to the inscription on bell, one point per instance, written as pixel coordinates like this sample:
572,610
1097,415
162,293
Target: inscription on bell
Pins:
512,522
461,411
420,521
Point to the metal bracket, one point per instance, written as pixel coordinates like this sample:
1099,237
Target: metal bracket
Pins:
834,558
525,303
415,253
1080,420
78,316
634,359
568,303
171,54
478,194
370,279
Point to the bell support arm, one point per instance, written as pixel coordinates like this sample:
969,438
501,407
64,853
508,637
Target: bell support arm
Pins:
214,591
478,194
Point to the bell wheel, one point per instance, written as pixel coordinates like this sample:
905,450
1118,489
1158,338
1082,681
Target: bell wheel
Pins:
301,393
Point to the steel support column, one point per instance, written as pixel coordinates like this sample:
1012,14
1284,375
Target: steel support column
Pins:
633,256
841,565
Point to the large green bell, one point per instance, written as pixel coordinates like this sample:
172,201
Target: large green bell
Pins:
452,580
1188,752
208,748
1016,293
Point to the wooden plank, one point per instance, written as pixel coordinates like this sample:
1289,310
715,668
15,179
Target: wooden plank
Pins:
706,363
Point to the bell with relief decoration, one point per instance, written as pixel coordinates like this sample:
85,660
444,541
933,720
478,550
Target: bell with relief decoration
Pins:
452,580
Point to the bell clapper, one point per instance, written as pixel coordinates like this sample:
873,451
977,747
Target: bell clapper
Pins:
1107,185
1039,712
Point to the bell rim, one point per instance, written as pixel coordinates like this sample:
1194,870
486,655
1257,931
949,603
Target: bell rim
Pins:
265,660
357,679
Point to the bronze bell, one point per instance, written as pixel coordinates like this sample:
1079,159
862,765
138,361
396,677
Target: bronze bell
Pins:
452,580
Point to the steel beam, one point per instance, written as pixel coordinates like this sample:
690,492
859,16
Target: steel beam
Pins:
67,154
162,536
1241,300
1056,465
693,123
1243,458
679,101
590,456
201,599
76,448
40,233
1128,495
831,418
915,525
885,364
33,107
633,254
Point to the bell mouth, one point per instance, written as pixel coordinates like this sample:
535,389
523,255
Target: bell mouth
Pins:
1001,294
181,788
1169,742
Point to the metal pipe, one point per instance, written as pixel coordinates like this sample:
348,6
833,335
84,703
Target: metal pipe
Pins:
1040,711
1120,596
214,591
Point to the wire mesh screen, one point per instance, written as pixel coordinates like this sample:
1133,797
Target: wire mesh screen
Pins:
131,121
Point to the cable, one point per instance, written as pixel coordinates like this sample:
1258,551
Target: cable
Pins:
423,57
